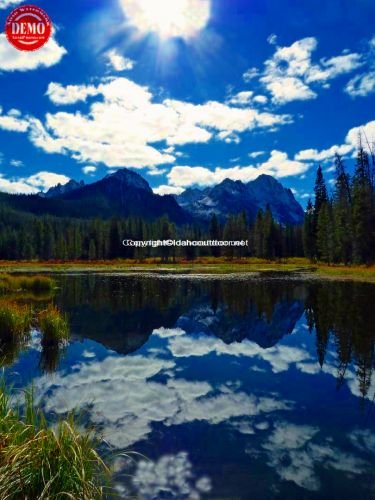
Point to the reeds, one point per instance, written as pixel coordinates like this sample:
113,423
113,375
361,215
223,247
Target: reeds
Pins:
38,462
15,321
53,326
36,284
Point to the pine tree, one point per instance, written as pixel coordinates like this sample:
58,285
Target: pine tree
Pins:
240,233
342,213
325,240
363,206
166,234
309,239
320,191
92,250
268,235
114,239
321,199
229,235
258,235
215,234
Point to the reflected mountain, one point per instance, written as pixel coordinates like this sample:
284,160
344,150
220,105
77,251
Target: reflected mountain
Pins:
239,373
122,313
231,327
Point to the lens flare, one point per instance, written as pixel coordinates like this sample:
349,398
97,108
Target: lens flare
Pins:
168,18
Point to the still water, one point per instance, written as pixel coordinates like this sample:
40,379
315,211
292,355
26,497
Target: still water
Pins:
232,388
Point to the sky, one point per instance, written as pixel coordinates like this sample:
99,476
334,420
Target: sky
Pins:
188,92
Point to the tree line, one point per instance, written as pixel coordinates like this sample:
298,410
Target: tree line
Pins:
340,228
27,237
340,316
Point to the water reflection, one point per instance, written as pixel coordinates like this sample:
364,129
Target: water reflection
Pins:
228,386
122,313
50,357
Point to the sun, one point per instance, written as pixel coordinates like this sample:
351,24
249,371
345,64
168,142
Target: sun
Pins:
168,18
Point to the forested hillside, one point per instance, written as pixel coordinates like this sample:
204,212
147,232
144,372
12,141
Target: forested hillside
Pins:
338,227
341,227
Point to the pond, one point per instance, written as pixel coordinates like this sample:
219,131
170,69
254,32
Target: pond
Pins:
232,388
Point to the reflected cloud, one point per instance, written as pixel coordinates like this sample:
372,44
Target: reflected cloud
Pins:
168,332
124,398
364,440
280,357
171,476
295,454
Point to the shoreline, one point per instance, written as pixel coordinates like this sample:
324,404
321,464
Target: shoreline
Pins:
246,267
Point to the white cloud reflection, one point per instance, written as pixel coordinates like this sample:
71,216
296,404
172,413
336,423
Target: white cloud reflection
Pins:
126,396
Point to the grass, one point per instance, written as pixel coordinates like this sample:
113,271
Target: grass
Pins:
15,321
36,284
54,327
202,265
15,326
38,462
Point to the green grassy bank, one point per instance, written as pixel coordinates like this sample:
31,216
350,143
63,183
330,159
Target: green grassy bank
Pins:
199,266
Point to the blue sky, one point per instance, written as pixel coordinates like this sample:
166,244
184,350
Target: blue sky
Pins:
187,92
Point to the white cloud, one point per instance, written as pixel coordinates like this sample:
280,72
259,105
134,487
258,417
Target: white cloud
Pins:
125,399
223,407
119,62
278,165
368,130
89,169
286,89
11,123
334,67
363,439
224,118
15,186
295,456
70,94
124,123
242,98
42,139
12,59
165,333
157,171
323,155
41,181
272,39
16,163
288,456
364,84
172,474
260,99
348,147
250,74
279,357
361,85
163,189
4,4
228,137
255,154
290,72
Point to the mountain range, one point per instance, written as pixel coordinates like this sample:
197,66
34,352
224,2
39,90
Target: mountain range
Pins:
125,193
233,197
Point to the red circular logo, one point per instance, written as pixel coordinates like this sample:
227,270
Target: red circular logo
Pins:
28,27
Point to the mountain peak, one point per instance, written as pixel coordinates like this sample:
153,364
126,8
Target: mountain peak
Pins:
234,196
129,178
61,189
